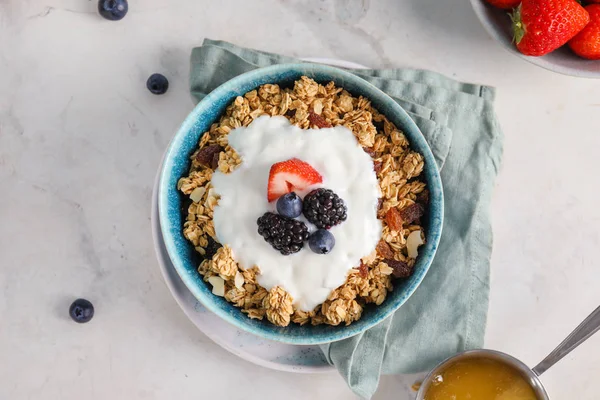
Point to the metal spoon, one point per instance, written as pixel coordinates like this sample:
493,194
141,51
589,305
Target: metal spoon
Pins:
587,328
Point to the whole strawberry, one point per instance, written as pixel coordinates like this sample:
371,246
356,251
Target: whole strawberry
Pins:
586,43
505,4
542,26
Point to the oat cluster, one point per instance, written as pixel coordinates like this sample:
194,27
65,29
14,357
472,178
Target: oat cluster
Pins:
398,168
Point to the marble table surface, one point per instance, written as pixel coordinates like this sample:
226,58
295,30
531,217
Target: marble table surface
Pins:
81,138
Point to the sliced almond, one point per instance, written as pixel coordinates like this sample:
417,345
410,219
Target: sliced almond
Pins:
239,280
197,194
413,241
318,107
211,199
218,285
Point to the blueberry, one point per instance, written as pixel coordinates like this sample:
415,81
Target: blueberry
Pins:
157,84
81,311
113,10
321,241
289,205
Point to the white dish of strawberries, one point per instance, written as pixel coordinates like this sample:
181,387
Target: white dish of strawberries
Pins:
560,35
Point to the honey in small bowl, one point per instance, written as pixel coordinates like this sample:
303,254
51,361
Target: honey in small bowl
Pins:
479,379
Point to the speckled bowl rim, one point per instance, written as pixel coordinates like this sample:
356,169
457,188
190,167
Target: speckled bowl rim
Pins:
480,7
172,227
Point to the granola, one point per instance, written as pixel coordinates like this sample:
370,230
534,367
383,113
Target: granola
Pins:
398,168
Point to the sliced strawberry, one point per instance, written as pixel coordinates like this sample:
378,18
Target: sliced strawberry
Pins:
288,176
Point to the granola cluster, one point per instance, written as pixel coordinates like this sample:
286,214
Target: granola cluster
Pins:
404,198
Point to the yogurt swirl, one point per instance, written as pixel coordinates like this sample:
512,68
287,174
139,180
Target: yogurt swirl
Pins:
346,169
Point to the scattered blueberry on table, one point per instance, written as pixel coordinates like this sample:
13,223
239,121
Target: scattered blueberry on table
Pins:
321,241
157,84
81,311
289,205
113,10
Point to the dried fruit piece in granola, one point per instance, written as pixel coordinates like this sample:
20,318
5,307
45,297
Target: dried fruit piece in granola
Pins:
363,270
377,166
401,269
412,213
214,164
212,247
423,197
318,120
393,219
370,151
384,250
206,155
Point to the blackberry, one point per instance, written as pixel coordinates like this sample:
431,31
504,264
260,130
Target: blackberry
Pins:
324,208
284,234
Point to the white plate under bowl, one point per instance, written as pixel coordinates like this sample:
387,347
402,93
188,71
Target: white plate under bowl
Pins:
267,353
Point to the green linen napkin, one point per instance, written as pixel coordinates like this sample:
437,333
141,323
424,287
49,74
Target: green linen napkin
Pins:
447,313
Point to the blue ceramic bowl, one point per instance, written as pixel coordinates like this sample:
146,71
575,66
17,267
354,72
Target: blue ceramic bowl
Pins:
176,164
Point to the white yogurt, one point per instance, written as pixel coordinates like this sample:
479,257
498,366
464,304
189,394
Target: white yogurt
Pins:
346,169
